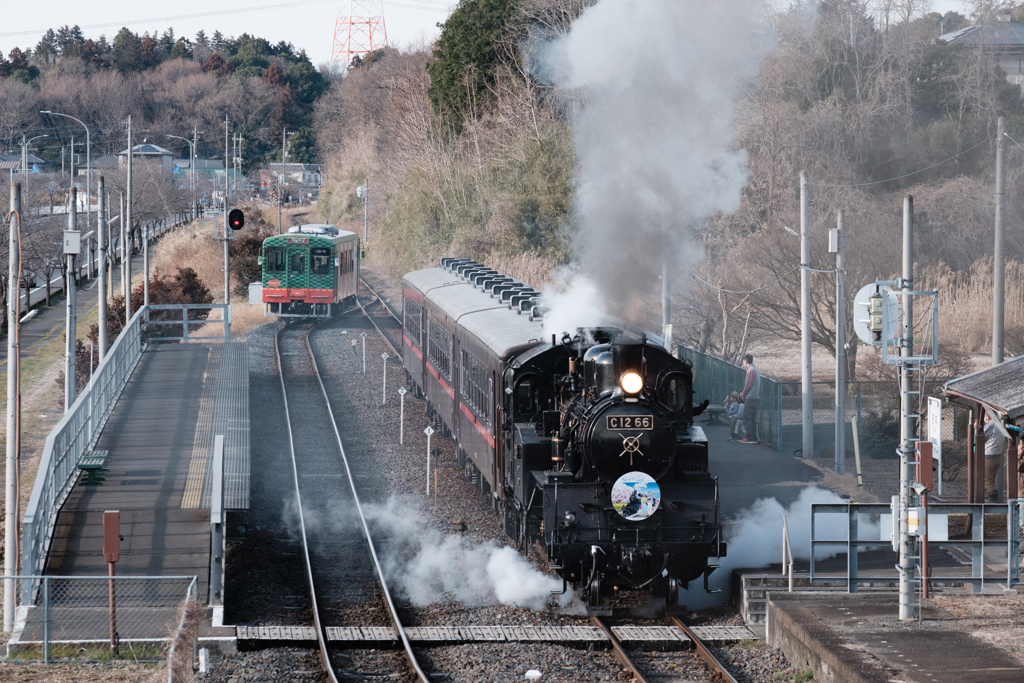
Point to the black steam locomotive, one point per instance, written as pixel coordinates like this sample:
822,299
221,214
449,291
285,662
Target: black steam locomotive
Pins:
585,442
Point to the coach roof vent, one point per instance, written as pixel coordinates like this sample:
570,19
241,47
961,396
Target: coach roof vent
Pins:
538,312
313,229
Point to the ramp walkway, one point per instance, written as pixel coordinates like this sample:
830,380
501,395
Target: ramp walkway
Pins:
157,430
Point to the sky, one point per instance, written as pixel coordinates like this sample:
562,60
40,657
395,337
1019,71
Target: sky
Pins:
307,24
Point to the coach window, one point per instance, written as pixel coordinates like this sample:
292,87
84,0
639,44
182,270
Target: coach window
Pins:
297,263
320,260
274,259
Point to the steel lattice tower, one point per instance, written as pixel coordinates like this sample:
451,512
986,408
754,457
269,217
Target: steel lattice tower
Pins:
358,31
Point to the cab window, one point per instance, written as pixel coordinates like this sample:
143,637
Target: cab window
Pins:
673,390
526,399
297,263
320,260
274,260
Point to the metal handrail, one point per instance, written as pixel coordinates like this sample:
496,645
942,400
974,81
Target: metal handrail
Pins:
75,434
787,553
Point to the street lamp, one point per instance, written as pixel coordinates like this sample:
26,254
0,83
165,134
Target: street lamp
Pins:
24,157
88,164
192,168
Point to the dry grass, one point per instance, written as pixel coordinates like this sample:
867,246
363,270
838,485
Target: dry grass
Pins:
965,305
194,246
246,317
119,672
186,638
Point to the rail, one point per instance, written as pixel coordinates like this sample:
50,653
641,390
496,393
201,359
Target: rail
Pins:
392,609
718,670
369,317
976,513
620,652
77,433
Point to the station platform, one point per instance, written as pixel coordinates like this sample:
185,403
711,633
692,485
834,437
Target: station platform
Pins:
858,638
159,467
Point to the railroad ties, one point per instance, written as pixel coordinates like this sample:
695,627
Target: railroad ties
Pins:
385,636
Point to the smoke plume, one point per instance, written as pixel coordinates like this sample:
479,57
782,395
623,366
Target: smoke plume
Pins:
430,567
651,85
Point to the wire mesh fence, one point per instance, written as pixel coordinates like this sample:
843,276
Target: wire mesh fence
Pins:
69,616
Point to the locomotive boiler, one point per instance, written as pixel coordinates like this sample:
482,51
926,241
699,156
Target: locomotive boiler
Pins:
585,442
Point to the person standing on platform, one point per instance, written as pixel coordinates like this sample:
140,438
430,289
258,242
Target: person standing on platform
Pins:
995,445
751,397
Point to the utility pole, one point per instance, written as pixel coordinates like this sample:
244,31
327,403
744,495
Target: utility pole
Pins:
227,273
837,244
71,326
13,371
806,394
907,416
101,283
195,141
126,227
999,256
366,207
666,294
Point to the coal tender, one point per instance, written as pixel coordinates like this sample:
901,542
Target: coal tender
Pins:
585,443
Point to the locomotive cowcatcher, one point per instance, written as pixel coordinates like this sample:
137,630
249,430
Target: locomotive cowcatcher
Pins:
585,440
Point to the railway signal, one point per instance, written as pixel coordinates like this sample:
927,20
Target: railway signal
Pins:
236,219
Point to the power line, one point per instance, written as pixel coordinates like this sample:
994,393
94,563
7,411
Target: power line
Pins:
746,291
906,175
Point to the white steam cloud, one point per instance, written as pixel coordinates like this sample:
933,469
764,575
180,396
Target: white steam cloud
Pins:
653,84
430,567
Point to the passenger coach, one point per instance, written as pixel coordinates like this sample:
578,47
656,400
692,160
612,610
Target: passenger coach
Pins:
309,270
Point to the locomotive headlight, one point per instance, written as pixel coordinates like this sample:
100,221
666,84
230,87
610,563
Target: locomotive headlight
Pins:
631,382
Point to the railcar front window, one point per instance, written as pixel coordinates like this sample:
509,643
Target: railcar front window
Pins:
297,263
274,260
320,260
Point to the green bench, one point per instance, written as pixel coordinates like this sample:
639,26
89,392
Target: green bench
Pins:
714,415
92,464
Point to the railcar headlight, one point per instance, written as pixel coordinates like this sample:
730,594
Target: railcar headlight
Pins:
631,383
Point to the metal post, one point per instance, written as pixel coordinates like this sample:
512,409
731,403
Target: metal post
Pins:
145,263
666,293
71,323
127,230
907,417
999,256
428,431
217,524
101,274
384,393
807,397
401,415
363,335
46,619
366,208
227,274
10,491
840,440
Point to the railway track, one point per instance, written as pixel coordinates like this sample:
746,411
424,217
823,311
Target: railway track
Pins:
329,515
383,318
651,667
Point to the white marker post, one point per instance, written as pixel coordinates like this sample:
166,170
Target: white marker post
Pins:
354,342
428,431
401,416
384,389
363,335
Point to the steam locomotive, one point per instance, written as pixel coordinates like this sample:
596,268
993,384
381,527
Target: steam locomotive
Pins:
585,443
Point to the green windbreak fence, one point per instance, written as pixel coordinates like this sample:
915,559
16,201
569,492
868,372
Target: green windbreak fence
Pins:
714,379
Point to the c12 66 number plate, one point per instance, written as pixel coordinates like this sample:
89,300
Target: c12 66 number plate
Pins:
629,421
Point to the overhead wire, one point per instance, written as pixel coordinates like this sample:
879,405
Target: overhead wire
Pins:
906,175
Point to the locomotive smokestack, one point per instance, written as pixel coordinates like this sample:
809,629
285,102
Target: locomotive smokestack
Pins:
627,357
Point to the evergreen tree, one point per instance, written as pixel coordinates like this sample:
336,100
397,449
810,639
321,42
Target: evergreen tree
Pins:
128,51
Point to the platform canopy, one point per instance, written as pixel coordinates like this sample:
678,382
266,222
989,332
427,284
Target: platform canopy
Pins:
1000,387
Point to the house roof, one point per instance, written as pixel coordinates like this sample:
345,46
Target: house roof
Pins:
997,34
1000,387
9,165
32,159
146,149
104,161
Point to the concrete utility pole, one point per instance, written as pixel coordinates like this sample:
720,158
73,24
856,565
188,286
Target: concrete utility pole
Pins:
999,260
666,294
127,231
806,394
71,326
10,490
839,247
907,415
227,273
101,247
366,208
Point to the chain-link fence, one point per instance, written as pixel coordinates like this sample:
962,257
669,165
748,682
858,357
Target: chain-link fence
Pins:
75,617
875,404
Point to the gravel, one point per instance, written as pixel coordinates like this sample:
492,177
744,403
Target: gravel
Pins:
265,586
